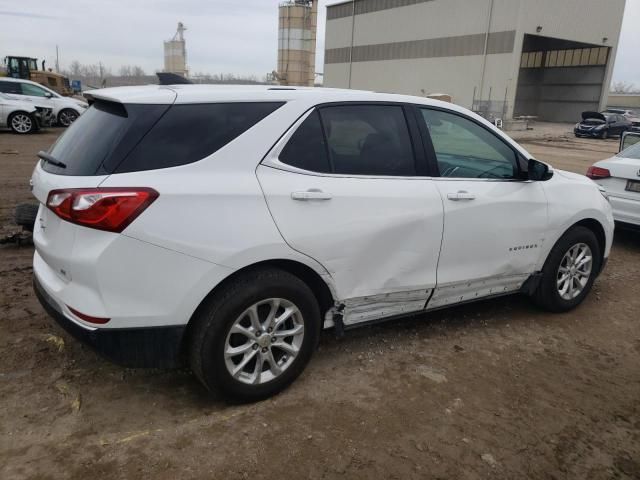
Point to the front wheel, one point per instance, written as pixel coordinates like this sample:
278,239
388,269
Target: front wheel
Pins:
22,123
570,270
605,134
67,116
255,336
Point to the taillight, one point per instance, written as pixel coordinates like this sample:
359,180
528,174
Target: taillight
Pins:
109,209
598,172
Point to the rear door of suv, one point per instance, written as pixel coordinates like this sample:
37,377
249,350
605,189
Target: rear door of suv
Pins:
348,186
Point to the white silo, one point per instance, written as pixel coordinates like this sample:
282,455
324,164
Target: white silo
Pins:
297,27
175,53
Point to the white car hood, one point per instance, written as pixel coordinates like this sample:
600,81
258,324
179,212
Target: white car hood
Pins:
573,176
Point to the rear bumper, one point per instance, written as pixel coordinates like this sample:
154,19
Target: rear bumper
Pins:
625,210
153,347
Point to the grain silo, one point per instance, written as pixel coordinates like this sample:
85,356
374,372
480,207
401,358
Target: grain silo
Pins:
297,26
175,53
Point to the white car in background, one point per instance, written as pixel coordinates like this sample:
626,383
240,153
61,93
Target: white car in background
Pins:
23,117
65,109
619,176
226,226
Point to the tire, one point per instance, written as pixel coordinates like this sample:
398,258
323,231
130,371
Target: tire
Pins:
548,294
22,123
67,116
210,335
25,215
605,134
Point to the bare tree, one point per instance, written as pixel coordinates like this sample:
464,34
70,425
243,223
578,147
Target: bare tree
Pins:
75,69
137,71
624,87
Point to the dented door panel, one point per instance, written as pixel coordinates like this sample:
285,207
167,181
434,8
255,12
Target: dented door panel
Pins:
375,235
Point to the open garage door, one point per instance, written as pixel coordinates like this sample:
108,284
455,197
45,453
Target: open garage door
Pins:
559,79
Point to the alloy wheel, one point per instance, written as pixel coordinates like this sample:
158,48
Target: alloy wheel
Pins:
22,123
67,117
574,271
264,341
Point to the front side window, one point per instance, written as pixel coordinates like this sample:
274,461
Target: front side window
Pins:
353,140
33,90
464,149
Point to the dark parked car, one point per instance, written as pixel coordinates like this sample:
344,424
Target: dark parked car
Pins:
601,125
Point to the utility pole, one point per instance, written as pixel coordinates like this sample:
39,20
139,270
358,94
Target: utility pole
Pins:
57,60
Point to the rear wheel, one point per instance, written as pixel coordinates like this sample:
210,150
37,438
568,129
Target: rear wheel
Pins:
253,338
570,270
22,123
67,116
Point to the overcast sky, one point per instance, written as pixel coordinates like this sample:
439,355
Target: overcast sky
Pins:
223,36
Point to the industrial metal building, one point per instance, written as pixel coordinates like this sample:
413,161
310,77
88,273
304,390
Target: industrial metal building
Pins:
550,59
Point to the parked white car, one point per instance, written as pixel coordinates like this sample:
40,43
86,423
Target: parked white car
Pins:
22,117
619,176
65,109
226,226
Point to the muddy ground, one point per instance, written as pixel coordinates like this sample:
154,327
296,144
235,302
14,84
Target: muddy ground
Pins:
497,389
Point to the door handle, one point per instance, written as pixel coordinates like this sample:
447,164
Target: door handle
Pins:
461,195
311,194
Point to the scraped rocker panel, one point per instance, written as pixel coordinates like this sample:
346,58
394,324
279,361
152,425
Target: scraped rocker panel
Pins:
460,292
364,309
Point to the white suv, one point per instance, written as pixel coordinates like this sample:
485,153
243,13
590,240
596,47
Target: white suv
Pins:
65,109
226,226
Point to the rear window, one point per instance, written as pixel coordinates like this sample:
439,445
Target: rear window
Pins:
115,138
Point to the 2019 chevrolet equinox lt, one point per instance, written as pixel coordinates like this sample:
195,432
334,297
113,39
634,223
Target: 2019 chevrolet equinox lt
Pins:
224,227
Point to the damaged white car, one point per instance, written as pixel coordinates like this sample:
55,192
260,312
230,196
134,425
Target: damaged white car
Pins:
224,227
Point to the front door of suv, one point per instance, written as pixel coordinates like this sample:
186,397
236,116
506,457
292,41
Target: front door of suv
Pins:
344,187
495,222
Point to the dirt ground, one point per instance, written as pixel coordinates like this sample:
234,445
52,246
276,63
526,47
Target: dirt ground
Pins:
496,389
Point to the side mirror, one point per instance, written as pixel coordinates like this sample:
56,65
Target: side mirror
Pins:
48,95
538,171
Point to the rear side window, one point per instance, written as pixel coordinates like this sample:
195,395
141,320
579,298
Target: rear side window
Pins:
368,140
115,138
306,148
191,132
353,140
10,87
